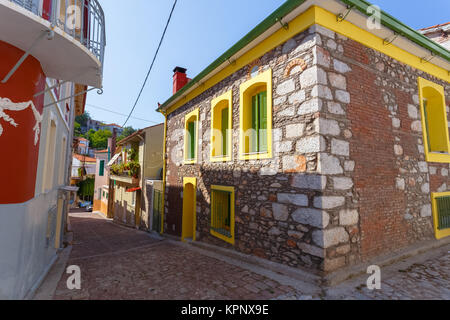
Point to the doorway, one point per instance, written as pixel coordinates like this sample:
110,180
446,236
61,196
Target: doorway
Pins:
189,209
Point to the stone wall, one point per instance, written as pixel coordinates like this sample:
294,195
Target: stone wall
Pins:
378,182
275,217
348,179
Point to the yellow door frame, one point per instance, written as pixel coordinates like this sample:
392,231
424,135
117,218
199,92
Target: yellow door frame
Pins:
439,234
192,181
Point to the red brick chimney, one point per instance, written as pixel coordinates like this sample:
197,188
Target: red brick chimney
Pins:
179,79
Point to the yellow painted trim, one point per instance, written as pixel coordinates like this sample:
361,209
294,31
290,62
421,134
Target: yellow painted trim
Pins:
433,157
192,181
188,117
264,78
164,175
438,233
299,24
228,96
316,15
232,218
345,28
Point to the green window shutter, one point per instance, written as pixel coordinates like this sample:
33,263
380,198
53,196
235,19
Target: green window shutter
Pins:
224,131
191,140
102,168
425,111
262,134
255,125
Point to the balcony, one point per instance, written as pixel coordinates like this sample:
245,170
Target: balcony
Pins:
66,36
132,181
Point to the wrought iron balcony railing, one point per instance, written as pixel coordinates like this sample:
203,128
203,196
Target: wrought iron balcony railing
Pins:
83,20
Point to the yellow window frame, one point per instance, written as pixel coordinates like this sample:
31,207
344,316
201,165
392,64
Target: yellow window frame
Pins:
230,240
246,90
438,233
217,105
187,120
425,85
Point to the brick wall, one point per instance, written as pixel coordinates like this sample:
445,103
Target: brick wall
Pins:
348,180
392,183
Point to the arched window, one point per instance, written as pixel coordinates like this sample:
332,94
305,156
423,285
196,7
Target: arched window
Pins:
221,127
190,137
434,121
256,117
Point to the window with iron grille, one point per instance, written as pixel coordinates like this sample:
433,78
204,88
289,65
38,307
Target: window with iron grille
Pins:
443,212
222,213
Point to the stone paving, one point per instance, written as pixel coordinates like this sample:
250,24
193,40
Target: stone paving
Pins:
122,263
428,280
422,281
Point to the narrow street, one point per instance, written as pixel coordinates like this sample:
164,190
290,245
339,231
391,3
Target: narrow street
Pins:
121,263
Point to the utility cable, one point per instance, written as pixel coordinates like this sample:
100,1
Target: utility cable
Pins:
151,66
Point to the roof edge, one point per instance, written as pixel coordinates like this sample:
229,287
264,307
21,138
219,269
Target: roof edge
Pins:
361,5
404,30
271,20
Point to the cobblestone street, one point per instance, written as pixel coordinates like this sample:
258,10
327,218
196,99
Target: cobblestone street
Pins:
121,263
429,280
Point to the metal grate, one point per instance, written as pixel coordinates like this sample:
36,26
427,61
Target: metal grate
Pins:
443,212
221,212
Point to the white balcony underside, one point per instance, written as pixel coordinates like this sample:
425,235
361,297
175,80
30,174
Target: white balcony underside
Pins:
63,58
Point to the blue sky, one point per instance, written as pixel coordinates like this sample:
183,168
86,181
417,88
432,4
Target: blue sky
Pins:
200,31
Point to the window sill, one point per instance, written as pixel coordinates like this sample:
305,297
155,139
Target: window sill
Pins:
255,156
222,237
220,159
188,162
437,157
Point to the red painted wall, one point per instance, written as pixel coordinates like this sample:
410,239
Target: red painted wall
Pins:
19,154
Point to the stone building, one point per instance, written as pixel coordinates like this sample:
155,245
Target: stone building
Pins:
439,33
138,160
316,141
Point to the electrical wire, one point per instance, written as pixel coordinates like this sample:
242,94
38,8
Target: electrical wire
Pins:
120,114
151,66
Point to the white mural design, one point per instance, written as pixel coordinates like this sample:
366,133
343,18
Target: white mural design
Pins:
8,105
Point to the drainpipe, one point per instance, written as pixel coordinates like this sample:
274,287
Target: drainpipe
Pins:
164,173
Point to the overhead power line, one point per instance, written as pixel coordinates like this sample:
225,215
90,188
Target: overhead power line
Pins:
120,114
151,66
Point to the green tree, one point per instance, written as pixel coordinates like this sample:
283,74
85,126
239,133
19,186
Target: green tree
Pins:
83,119
77,129
89,135
99,139
127,131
